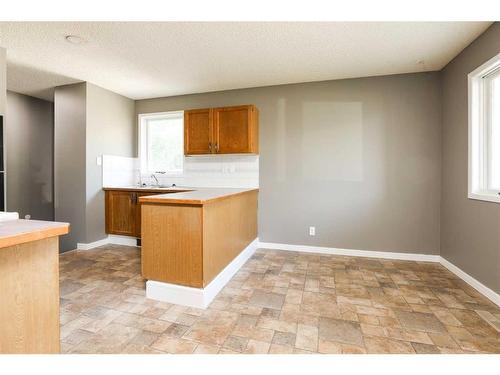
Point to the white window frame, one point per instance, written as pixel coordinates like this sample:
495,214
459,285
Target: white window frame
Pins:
142,138
479,132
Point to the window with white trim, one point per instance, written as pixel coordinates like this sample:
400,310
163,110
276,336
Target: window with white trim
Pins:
161,142
484,131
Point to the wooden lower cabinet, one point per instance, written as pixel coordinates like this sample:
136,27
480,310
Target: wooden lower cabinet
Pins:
121,212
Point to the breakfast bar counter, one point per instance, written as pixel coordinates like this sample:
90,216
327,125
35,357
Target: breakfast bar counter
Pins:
193,239
195,196
29,286
16,232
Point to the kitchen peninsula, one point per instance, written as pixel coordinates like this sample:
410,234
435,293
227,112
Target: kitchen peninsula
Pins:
29,286
194,241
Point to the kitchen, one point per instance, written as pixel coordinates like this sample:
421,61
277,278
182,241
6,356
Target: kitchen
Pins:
212,226
268,198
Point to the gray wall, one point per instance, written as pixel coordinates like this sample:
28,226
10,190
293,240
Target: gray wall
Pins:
89,121
359,159
110,130
3,79
69,161
29,135
3,90
470,229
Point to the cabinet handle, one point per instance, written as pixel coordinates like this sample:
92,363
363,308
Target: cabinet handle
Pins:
216,147
210,146
134,198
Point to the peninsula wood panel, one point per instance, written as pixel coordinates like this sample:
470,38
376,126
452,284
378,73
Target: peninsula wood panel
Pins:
172,244
236,129
229,226
29,305
198,131
138,213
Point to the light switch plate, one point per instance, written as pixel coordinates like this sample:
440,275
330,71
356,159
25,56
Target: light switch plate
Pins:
99,160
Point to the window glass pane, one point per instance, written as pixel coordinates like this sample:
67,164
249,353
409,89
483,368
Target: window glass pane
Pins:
495,134
165,144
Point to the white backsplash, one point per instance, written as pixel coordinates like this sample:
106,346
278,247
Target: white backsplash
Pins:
119,171
240,171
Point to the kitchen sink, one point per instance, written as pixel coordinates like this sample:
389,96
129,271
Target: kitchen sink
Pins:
158,186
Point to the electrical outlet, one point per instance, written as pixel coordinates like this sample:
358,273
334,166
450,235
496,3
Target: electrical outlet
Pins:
312,231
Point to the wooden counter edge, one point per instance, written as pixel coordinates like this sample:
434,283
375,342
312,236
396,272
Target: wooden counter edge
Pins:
34,235
146,190
196,202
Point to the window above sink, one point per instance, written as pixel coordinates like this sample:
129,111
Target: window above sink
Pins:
161,142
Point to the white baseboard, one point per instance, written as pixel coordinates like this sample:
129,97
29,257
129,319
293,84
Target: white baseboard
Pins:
122,240
91,245
177,294
481,288
351,252
111,239
199,297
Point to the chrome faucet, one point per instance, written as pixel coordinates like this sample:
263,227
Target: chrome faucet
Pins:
157,182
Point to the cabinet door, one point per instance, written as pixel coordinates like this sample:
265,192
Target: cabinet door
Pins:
198,131
121,212
236,129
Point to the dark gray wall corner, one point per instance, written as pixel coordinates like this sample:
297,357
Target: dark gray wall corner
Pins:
470,235
69,161
29,137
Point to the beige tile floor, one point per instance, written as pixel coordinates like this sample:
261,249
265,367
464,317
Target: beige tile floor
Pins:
279,302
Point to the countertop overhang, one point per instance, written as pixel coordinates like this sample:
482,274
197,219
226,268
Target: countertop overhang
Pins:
200,196
15,232
149,189
182,194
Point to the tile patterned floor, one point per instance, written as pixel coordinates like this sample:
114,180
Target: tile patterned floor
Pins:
279,302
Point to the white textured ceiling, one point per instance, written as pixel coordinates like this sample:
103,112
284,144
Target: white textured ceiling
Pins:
153,59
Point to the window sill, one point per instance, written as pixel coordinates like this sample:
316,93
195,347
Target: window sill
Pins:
484,196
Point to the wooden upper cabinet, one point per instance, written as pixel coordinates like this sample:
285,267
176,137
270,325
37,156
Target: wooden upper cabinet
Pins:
235,130
225,130
198,131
